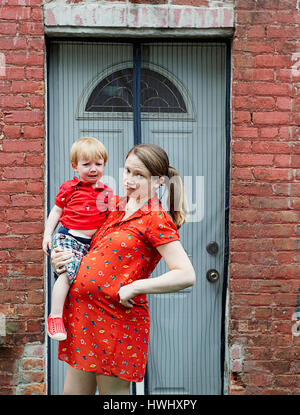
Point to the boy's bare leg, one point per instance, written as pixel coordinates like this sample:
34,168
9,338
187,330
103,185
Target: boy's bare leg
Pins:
59,294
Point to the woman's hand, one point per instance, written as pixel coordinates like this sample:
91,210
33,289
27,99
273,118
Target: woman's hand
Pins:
126,293
60,258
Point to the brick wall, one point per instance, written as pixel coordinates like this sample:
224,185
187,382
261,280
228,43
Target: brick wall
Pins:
264,277
21,197
265,198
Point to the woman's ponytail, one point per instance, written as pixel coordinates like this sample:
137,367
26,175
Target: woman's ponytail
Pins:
177,202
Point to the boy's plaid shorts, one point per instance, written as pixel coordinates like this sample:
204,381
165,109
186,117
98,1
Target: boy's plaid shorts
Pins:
67,242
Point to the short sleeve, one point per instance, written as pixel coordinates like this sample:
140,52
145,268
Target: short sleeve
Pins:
63,195
161,229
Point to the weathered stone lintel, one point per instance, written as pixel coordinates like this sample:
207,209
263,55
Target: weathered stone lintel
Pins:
134,16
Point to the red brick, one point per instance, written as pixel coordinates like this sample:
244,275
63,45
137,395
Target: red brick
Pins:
30,310
22,172
241,60
8,28
15,13
28,256
31,28
7,159
242,173
252,159
27,146
34,73
284,103
4,200
36,101
12,102
23,59
34,159
288,189
12,131
271,147
269,132
241,146
37,13
26,228
245,131
12,43
283,32
26,200
36,297
33,131
14,72
30,363
12,242
5,87
270,174
37,43
269,88
255,74
28,86
275,61
254,46
254,103
29,116
272,118
241,116
35,187
256,32
282,160
252,189
295,161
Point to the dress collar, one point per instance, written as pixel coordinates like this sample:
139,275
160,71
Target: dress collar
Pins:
153,204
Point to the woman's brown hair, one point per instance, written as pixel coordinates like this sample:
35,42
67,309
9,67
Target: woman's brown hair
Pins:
156,161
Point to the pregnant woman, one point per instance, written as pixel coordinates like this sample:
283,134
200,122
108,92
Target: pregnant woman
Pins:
106,313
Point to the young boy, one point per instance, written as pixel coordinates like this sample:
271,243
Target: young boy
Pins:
81,207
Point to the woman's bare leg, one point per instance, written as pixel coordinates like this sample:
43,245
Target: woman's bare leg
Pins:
79,382
110,385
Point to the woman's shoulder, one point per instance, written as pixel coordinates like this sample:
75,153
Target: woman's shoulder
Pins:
160,228
159,217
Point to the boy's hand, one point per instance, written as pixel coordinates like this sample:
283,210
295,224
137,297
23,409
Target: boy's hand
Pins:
47,244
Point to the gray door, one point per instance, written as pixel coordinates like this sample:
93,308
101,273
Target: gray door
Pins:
182,110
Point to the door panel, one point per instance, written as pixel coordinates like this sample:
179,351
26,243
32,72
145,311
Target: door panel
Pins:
185,335
185,340
73,69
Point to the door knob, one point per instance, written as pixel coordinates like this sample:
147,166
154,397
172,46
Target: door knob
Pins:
212,275
212,248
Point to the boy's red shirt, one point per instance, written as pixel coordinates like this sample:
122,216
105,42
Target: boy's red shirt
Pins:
84,207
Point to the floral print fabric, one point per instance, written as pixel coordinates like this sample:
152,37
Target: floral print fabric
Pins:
104,336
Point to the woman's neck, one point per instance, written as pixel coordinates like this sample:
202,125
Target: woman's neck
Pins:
133,204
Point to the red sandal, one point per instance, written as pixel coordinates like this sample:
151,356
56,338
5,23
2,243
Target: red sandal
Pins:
56,328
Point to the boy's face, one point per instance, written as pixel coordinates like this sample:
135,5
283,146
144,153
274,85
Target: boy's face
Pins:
89,170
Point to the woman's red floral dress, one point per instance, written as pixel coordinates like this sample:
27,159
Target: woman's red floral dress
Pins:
104,336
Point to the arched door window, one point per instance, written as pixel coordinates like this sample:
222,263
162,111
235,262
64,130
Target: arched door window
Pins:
111,95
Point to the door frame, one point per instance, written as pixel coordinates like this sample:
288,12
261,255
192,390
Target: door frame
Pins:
224,358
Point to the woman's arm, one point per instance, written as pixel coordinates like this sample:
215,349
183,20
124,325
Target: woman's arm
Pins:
180,276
